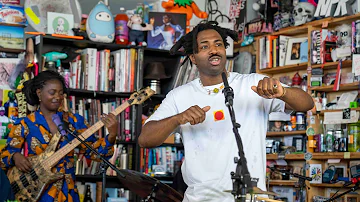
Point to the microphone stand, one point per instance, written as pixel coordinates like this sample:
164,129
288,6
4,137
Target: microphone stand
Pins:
301,178
356,187
104,165
241,178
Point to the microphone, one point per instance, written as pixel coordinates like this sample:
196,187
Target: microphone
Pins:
228,91
60,126
290,173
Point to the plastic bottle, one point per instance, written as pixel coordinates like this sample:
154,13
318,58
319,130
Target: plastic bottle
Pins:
123,159
354,137
121,28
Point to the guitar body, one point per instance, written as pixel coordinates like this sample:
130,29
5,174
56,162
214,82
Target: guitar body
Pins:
29,186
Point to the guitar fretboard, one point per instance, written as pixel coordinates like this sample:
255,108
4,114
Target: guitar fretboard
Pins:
53,159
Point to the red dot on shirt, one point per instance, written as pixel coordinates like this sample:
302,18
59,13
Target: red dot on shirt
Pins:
219,115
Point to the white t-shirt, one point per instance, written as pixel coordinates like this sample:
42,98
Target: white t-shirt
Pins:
210,147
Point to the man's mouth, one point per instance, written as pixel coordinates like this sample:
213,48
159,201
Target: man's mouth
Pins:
215,60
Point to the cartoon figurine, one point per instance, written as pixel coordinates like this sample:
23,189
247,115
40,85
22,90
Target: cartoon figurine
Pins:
137,28
11,106
4,124
100,24
184,6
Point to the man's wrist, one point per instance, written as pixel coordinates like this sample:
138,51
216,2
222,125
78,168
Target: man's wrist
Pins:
283,94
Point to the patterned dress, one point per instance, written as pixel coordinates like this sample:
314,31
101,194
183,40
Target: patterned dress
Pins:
34,132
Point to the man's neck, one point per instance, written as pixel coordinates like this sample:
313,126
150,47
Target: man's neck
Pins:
207,80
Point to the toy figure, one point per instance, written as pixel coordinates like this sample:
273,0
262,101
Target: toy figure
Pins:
137,28
100,24
4,124
184,6
11,106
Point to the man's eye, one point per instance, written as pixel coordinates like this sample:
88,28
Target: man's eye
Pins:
219,44
204,47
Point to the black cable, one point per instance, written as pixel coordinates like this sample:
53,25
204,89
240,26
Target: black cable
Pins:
345,185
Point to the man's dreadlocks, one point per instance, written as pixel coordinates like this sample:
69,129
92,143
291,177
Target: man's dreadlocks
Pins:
189,40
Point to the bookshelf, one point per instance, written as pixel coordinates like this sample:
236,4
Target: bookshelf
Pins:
305,30
285,133
46,43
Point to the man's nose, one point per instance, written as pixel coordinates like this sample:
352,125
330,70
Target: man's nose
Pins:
213,50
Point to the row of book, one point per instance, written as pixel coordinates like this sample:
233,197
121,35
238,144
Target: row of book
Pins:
161,160
107,71
122,159
92,109
112,194
281,50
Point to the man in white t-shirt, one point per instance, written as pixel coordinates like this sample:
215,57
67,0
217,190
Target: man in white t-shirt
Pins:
199,109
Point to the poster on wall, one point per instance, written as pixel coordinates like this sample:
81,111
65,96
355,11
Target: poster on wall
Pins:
168,28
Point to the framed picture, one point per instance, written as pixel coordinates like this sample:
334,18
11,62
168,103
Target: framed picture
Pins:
298,143
59,23
168,28
293,50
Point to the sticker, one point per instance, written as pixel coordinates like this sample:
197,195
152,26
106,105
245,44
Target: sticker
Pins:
310,131
346,155
346,113
37,39
30,13
325,24
308,156
312,119
219,115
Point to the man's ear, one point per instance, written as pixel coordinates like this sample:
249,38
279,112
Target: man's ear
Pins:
192,58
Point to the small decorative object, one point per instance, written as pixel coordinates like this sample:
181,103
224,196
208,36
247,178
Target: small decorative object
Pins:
316,173
137,29
168,28
343,43
59,23
187,7
293,50
100,25
155,71
4,122
327,8
329,174
303,12
276,126
11,14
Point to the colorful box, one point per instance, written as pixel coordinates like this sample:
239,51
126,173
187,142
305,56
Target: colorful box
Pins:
12,37
12,14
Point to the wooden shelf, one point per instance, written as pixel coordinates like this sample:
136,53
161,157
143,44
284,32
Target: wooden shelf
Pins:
284,69
335,155
335,21
125,142
333,65
336,185
343,87
82,43
336,110
90,93
290,133
287,157
282,182
178,145
111,181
